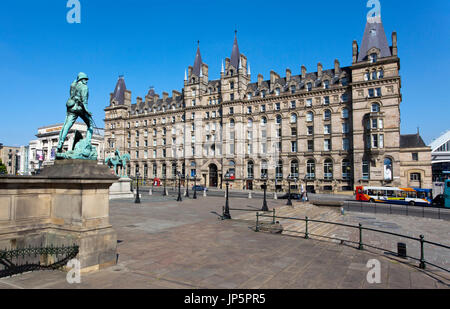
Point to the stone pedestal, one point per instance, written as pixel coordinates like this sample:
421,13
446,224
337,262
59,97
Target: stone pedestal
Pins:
121,189
67,204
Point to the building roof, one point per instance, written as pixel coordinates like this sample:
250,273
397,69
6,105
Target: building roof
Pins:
119,91
198,62
411,141
235,55
374,36
440,141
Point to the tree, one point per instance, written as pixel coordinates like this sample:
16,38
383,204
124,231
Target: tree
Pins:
3,170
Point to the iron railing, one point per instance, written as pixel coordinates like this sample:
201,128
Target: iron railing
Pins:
23,260
422,261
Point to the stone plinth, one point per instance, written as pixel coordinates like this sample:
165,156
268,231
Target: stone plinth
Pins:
121,189
67,204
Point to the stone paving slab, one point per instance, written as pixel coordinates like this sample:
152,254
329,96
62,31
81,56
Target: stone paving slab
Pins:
164,244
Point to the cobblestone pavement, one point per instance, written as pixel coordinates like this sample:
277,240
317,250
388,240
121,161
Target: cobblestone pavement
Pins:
165,244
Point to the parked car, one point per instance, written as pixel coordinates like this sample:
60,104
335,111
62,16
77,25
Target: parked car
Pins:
199,188
294,196
439,200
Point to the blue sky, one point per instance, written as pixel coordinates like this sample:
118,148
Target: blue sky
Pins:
153,42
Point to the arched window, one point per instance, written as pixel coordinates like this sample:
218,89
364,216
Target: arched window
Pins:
311,170
328,169
375,108
293,118
232,123
231,85
264,169
381,73
374,74
346,169
279,170
388,170
345,113
309,117
327,115
367,76
294,169
279,119
250,170
263,121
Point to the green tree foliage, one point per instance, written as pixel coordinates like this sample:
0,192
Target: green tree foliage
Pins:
3,170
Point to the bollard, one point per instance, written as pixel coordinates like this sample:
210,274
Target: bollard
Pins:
204,193
275,196
401,250
306,229
167,192
360,238
150,192
250,195
422,255
185,192
257,222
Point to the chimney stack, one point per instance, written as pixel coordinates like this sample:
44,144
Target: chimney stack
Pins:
165,95
175,94
355,51
288,75
273,77
138,100
394,44
260,79
337,67
319,69
303,72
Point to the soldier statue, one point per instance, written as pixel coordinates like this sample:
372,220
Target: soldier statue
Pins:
77,107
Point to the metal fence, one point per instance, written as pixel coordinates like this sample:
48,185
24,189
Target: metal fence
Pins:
18,261
360,242
395,209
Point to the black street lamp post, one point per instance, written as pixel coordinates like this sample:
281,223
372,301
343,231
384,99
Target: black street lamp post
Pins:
226,212
138,199
179,199
187,186
164,191
289,202
195,188
264,178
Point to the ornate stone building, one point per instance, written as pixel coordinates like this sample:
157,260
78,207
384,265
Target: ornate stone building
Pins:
331,129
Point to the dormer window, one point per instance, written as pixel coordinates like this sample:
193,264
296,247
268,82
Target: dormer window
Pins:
263,94
326,84
231,72
249,96
277,91
373,58
344,81
309,86
293,89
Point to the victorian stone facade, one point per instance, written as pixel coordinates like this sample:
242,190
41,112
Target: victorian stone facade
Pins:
329,130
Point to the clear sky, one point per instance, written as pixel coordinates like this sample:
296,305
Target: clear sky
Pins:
153,42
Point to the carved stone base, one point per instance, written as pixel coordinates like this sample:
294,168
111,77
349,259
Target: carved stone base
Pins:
67,204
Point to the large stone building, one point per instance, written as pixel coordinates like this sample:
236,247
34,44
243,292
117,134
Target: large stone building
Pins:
10,157
331,129
42,151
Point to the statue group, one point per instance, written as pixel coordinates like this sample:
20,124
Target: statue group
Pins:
119,161
77,106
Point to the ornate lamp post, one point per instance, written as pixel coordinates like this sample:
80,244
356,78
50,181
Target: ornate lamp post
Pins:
226,212
179,199
264,178
195,188
138,199
289,202
187,185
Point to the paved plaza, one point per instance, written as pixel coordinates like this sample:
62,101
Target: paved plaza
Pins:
165,244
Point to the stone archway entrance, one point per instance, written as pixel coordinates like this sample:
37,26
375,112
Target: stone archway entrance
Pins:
213,176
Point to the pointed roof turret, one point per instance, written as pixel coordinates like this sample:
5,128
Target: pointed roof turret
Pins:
235,55
119,91
198,62
374,36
